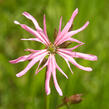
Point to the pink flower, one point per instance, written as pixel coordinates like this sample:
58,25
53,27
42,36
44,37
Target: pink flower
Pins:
51,49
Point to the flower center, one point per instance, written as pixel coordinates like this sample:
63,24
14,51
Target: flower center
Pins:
52,48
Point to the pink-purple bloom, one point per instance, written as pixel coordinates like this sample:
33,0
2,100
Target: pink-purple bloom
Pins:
51,49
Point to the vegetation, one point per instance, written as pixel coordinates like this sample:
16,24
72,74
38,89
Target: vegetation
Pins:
28,91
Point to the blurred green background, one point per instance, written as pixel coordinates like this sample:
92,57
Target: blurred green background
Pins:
27,92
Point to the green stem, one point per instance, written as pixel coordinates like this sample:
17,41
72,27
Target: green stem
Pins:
59,106
46,101
67,105
46,96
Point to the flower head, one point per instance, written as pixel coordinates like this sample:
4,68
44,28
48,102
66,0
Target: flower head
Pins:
51,49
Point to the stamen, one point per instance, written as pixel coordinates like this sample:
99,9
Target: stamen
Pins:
52,48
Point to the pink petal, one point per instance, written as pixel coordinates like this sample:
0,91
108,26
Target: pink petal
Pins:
69,39
42,67
44,37
31,63
39,64
75,40
31,50
16,22
70,49
58,35
28,57
84,56
61,71
69,65
67,27
56,84
48,76
60,25
27,15
27,68
20,59
64,50
71,33
54,77
69,58
30,30
37,52
79,55
44,23
59,67
45,31
32,39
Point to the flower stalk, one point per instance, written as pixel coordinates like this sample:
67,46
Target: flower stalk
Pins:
46,96
47,101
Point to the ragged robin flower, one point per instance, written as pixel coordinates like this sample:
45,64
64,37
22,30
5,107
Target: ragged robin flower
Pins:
51,49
